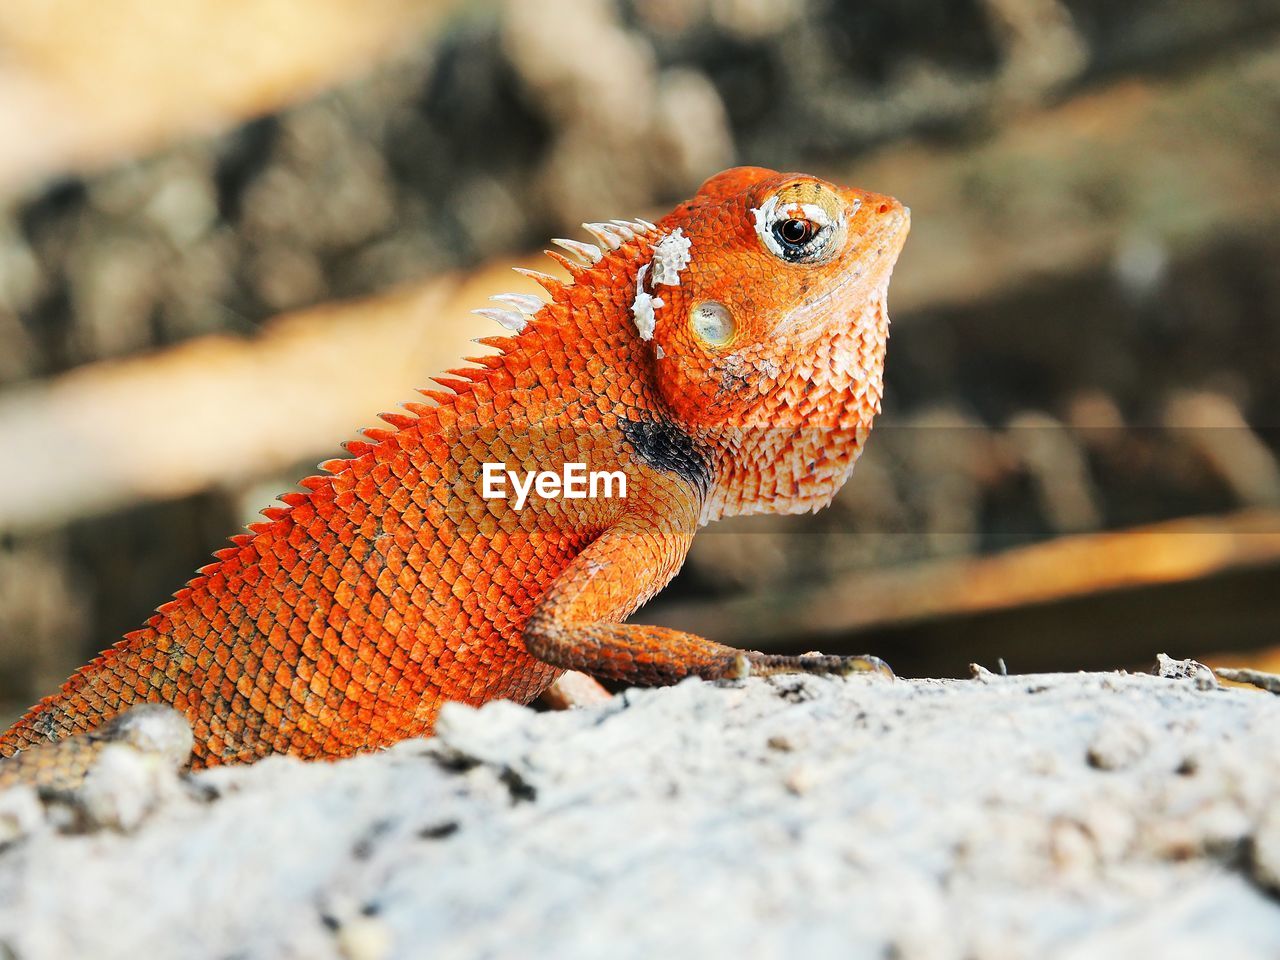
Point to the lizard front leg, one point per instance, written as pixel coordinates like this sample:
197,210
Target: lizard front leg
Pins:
577,623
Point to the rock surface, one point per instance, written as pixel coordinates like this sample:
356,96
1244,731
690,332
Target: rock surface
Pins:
1088,815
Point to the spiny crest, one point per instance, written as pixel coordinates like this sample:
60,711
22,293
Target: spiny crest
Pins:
513,312
517,308
552,285
334,465
401,421
589,252
511,319
615,233
498,343
575,269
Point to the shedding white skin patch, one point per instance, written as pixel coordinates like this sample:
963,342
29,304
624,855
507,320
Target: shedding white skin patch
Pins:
670,256
643,307
764,224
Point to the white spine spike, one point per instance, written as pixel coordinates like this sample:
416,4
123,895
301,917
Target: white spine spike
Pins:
607,235
538,277
646,224
526,303
507,318
625,227
589,252
629,227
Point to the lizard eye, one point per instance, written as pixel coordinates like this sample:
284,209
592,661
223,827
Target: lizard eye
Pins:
801,223
795,233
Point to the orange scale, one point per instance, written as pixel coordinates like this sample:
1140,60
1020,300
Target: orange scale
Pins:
297,687
393,626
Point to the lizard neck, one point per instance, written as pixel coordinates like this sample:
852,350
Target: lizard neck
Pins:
805,435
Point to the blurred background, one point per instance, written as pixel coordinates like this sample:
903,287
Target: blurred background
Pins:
233,231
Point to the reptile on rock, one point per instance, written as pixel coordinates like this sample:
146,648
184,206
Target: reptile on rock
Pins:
724,361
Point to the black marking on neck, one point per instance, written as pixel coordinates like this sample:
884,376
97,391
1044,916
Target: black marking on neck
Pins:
664,446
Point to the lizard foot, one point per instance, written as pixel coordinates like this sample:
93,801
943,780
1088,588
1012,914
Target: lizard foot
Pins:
765,664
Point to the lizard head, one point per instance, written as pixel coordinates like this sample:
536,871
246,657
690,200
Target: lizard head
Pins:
764,306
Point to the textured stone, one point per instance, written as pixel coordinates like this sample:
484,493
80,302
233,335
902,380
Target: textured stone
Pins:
798,816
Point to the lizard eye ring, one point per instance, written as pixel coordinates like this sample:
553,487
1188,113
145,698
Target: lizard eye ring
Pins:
801,223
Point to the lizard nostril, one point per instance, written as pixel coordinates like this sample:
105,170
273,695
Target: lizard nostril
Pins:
884,208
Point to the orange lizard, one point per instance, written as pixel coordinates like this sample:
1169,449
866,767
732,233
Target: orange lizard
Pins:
724,361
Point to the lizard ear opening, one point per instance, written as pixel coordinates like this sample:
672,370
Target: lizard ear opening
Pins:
712,323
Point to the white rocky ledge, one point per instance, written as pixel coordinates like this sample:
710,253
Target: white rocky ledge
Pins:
1066,816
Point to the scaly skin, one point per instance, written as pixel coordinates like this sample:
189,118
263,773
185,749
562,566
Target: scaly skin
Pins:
390,585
